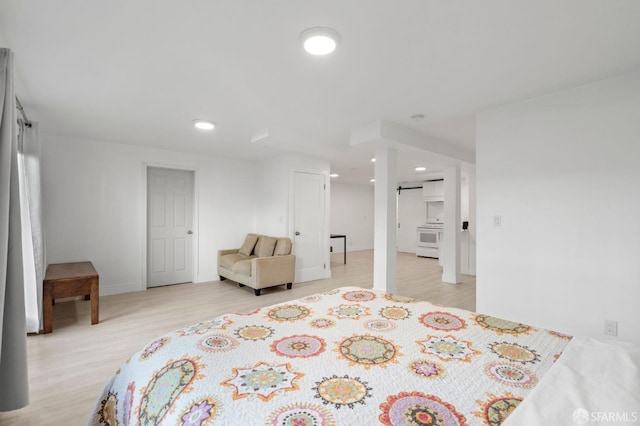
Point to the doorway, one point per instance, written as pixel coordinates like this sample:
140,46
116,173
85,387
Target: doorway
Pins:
169,226
411,214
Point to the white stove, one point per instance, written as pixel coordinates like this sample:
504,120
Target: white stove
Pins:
428,238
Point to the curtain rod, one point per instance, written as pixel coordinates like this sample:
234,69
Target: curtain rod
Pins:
404,188
27,122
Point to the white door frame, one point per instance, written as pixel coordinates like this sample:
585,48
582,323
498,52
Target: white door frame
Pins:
144,217
327,209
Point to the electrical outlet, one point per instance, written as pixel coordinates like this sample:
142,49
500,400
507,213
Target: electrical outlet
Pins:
497,220
610,328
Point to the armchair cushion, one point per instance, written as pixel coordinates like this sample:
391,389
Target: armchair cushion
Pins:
242,267
228,260
264,246
283,247
249,244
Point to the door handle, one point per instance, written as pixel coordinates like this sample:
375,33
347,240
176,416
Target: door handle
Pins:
297,233
189,232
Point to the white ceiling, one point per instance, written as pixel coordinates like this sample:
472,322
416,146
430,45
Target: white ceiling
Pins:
139,72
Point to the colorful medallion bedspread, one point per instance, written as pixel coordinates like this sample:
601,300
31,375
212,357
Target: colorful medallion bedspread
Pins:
347,357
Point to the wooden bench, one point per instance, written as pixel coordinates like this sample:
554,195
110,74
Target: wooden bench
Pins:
68,280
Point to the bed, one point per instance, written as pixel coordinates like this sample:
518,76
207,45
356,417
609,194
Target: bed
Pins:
350,356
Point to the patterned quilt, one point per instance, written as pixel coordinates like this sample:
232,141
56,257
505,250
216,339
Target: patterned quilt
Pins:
346,357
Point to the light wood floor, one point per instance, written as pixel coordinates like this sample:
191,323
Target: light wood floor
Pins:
68,368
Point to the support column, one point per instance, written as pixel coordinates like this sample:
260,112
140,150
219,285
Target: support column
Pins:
450,246
384,252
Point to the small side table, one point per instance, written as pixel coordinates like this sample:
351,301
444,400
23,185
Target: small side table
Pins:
344,238
68,280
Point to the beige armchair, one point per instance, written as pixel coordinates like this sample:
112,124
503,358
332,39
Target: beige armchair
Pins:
261,262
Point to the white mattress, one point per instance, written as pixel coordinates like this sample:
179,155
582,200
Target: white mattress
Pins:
593,382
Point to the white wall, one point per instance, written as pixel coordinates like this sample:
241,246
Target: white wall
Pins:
274,186
94,206
563,171
272,196
352,215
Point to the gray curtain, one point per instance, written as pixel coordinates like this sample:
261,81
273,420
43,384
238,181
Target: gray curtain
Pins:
14,390
33,256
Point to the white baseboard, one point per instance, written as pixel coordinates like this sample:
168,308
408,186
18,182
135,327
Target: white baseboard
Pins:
339,249
304,276
404,250
110,289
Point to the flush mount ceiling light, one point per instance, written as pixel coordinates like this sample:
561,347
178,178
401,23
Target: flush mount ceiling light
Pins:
417,117
319,40
334,175
204,124
373,160
420,169
372,180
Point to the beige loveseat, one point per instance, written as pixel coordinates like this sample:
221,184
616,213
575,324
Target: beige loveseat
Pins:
261,262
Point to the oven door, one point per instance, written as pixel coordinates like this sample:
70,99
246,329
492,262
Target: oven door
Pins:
428,238
428,243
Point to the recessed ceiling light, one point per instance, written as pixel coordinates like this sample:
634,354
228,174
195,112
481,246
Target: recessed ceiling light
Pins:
372,180
420,169
334,175
204,124
319,40
373,160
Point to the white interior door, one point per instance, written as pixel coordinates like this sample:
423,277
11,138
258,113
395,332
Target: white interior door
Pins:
310,235
169,226
411,214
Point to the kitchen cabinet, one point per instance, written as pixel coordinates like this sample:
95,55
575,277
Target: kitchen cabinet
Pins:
433,190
